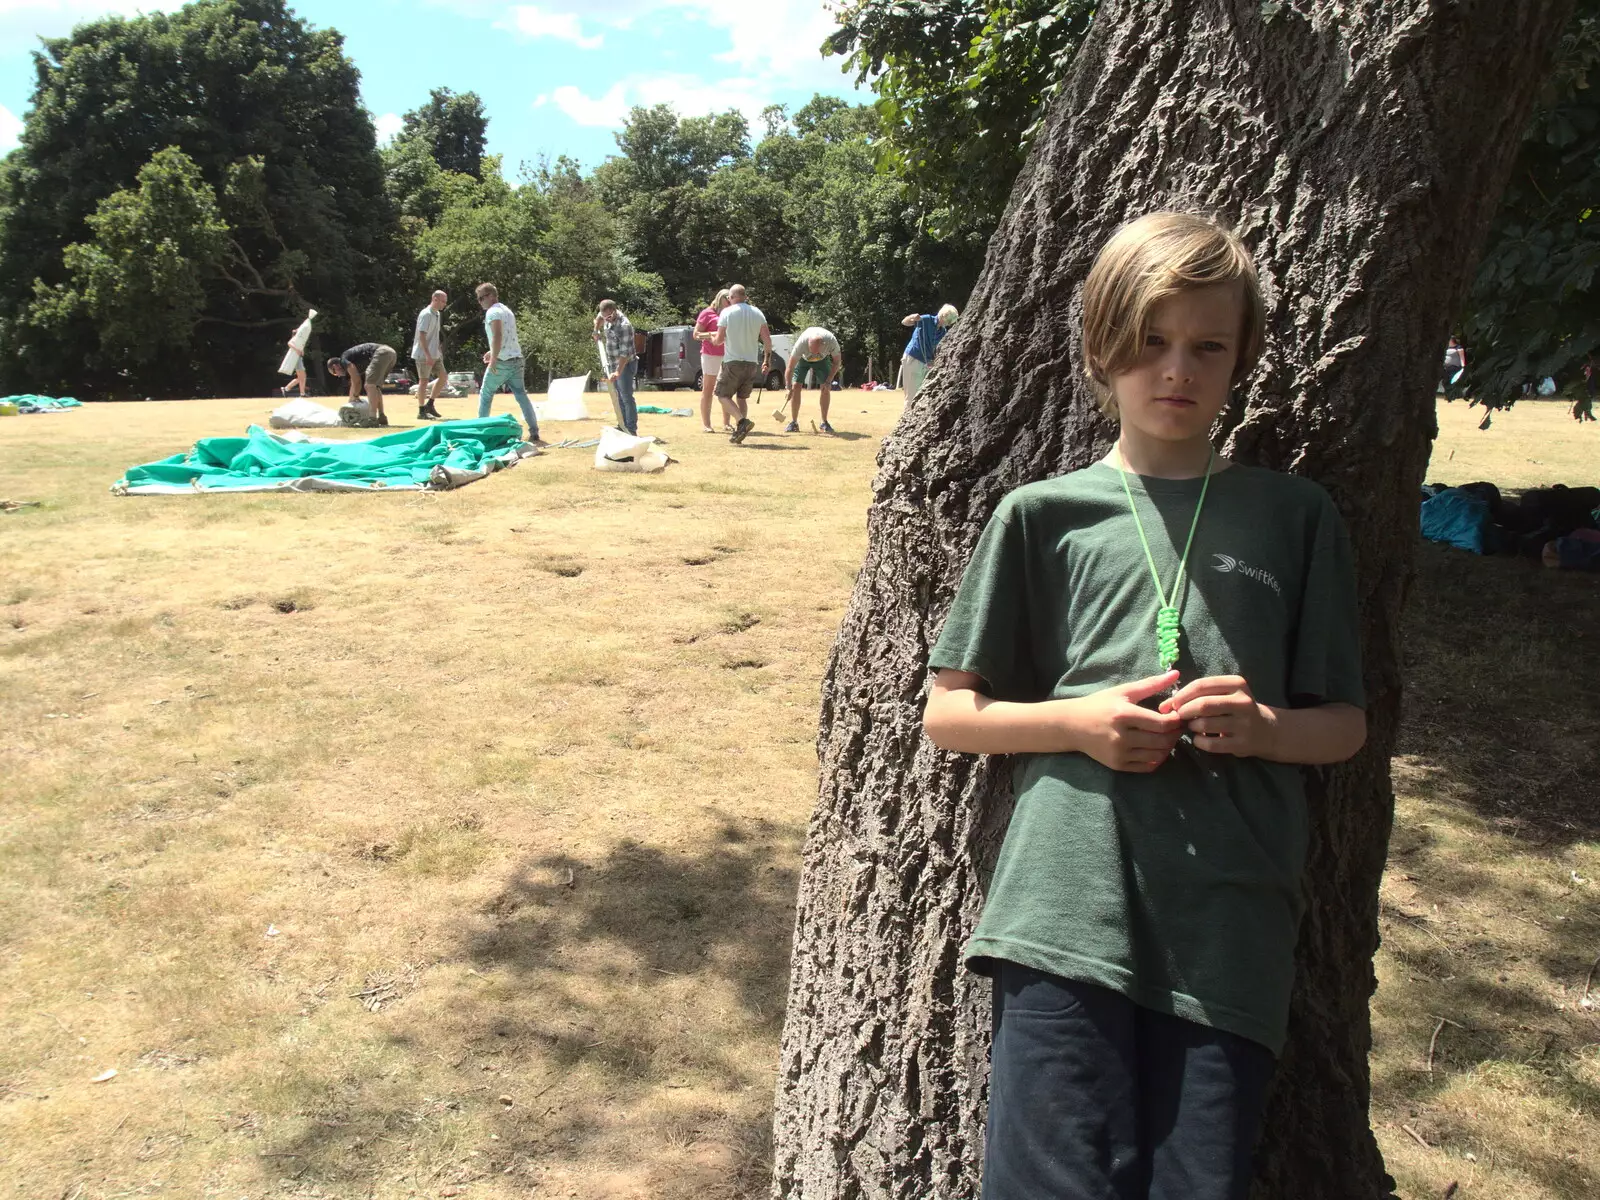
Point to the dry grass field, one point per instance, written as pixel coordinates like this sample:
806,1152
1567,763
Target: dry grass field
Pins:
445,845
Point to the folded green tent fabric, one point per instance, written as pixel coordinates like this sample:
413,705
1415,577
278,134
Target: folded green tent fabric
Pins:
446,455
38,404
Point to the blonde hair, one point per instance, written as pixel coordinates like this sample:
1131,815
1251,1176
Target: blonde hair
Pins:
487,290
1147,261
948,315
720,301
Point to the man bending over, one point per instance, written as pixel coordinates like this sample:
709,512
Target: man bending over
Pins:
815,362
368,363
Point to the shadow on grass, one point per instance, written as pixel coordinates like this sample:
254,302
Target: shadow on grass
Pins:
1488,930
677,916
616,1004
1501,658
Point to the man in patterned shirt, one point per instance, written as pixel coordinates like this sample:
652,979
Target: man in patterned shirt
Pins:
614,330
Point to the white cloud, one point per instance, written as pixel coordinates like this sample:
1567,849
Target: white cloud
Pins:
689,96
387,126
26,20
10,129
607,110
777,41
535,22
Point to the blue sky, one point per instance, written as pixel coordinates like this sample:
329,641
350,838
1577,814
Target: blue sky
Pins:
556,77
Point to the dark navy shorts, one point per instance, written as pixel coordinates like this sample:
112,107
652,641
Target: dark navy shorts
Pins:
1092,1097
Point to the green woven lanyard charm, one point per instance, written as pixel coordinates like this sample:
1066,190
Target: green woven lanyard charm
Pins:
1169,618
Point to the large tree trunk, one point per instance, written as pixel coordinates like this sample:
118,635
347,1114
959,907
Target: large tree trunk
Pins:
1359,148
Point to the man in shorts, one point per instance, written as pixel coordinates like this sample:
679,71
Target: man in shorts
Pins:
815,362
741,328
427,350
369,364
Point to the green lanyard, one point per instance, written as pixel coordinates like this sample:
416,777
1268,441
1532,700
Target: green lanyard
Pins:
1169,628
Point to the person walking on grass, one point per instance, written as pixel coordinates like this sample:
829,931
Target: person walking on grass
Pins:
705,332
427,351
815,362
366,365
1455,362
1583,406
502,361
741,329
1163,638
294,361
926,334
621,360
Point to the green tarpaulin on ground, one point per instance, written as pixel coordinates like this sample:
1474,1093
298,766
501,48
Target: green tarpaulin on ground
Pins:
39,404
447,455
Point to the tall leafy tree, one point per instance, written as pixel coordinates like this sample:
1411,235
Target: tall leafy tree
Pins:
141,280
267,109
1360,156
694,208
865,254
452,128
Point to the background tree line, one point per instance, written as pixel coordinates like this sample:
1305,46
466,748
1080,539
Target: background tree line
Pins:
188,184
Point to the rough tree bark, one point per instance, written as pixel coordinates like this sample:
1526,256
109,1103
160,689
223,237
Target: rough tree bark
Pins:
1360,148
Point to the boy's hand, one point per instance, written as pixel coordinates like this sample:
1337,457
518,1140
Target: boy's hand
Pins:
1224,717
1116,732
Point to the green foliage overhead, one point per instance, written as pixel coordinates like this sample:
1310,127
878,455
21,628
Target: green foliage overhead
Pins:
1535,307
962,87
267,110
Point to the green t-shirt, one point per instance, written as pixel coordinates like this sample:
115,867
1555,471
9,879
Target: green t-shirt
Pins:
1181,888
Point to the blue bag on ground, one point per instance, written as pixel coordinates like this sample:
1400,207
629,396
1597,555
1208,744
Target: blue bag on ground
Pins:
1456,518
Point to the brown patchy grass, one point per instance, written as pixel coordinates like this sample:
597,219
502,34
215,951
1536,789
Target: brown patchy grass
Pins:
519,776
1491,902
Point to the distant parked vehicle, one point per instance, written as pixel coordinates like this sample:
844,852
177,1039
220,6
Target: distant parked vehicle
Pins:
671,359
782,347
398,381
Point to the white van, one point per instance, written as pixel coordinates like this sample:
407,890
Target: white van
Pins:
671,359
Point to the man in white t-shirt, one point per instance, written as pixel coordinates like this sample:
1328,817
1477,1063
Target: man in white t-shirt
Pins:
427,351
815,362
741,330
502,361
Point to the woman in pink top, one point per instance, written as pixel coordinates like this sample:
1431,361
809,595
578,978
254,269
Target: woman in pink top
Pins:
705,328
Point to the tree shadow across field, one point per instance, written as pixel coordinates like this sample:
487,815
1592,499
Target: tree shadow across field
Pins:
1502,711
677,915
615,1003
1487,930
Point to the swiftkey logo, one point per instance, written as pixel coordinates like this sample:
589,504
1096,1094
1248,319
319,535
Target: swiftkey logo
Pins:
1226,563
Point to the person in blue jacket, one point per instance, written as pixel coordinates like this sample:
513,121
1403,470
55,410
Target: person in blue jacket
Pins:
927,332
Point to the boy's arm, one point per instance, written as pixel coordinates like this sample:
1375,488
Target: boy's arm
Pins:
1225,718
1109,726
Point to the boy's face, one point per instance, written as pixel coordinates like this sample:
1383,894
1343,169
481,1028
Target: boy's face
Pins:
1182,378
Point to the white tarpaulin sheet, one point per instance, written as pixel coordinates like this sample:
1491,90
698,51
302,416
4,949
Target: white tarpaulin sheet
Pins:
564,401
